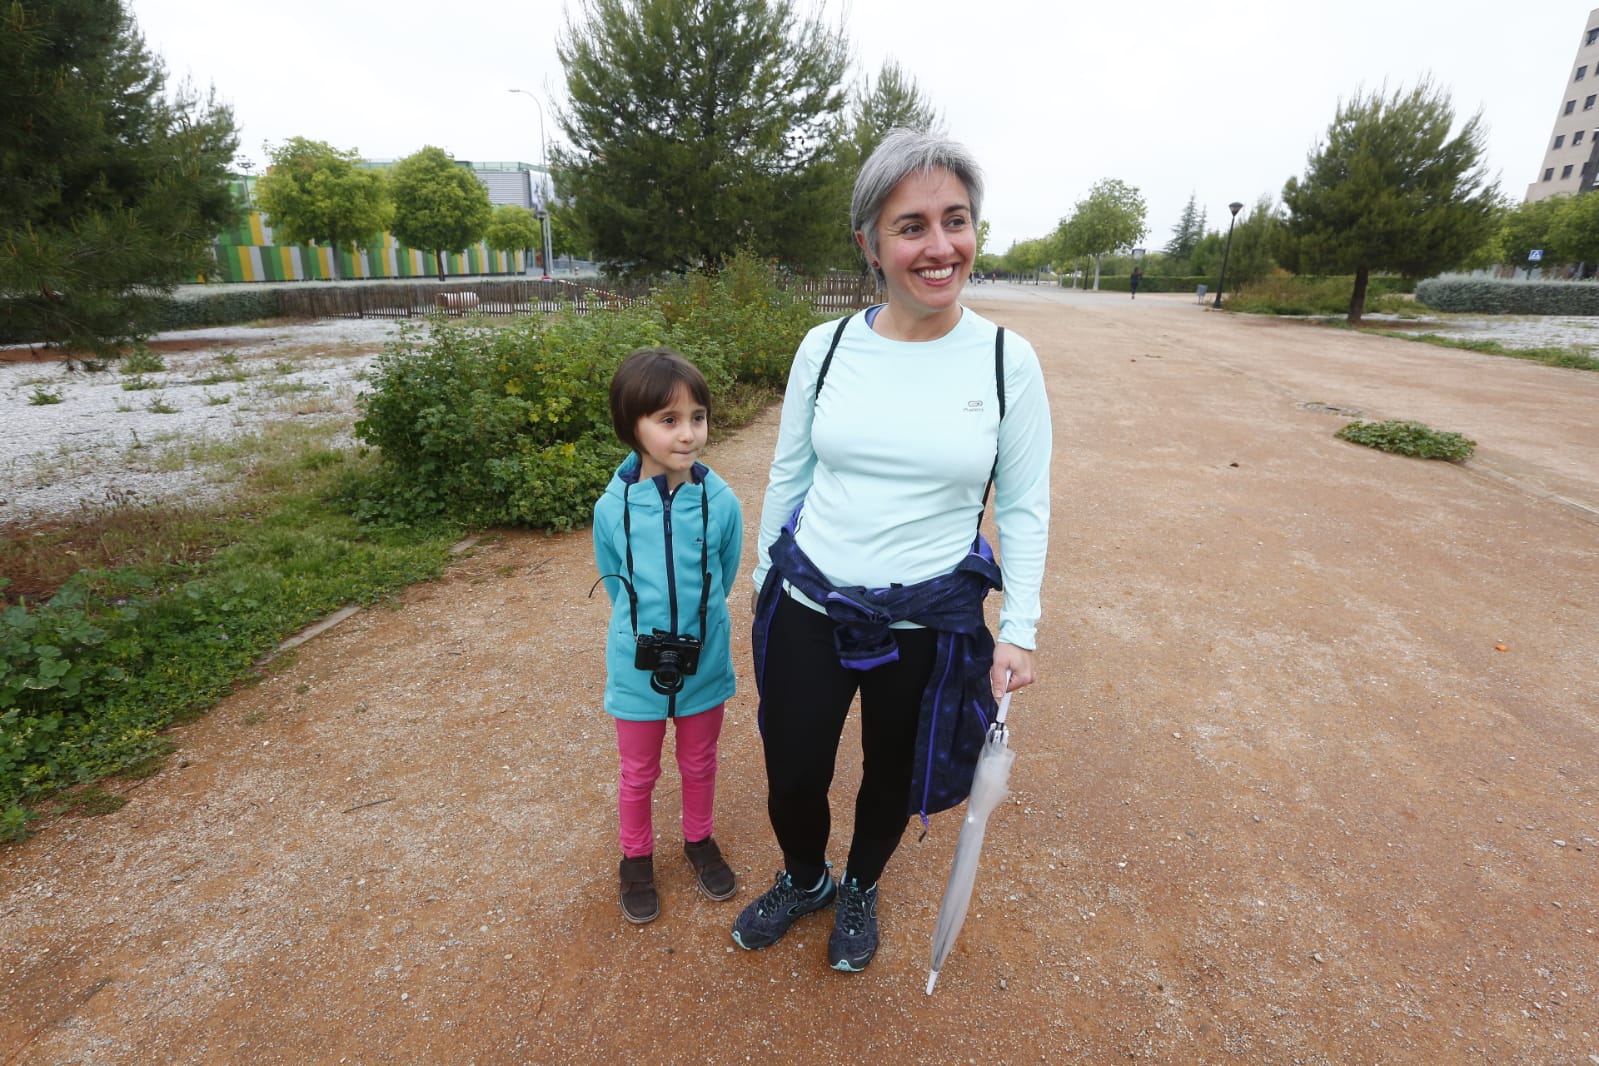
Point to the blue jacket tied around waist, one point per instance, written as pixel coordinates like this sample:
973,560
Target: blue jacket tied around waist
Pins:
958,702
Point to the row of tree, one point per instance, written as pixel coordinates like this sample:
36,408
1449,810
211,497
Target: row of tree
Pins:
1393,187
314,193
692,131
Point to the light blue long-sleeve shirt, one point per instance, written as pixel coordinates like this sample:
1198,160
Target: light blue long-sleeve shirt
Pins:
892,457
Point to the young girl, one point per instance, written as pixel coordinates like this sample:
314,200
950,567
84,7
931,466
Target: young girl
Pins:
667,538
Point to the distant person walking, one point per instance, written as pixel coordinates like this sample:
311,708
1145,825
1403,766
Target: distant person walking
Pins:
1138,275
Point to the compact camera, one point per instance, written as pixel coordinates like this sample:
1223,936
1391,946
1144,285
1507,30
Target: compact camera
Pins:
669,657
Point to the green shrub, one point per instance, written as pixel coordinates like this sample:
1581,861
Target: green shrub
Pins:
225,307
1409,438
90,678
510,424
737,317
1506,296
1311,295
468,417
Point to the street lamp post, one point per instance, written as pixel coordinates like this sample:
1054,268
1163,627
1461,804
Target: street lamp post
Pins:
544,200
1221,285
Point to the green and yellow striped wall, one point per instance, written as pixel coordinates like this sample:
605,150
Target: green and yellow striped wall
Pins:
246,252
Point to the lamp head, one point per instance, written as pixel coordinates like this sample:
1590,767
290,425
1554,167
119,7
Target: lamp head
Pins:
1235,207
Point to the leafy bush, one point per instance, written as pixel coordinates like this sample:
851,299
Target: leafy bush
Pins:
1409,438
736,316
1307,295
510,424
226,307
469,418
1149,283
1506,296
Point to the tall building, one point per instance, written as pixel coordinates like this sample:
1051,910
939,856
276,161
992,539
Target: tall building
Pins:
1570,161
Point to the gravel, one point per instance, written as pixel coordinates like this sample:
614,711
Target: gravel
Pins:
103,441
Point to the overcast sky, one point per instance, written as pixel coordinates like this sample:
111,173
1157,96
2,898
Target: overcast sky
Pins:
1223,101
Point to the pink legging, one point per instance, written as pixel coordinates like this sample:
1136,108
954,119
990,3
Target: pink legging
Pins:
639,744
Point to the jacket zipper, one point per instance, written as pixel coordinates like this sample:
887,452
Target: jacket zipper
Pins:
671,580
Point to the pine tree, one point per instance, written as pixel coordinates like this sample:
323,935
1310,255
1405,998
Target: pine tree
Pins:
1392,189
1188,231
696,129
111,188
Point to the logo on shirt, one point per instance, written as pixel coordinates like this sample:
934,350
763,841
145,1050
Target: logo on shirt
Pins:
974,407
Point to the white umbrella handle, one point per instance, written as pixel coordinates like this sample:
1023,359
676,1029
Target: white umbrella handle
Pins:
1004,702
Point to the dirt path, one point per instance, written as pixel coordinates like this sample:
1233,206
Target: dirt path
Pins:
1280,797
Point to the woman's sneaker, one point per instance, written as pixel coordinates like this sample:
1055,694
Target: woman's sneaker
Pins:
640,904
711,871
764,922
854,939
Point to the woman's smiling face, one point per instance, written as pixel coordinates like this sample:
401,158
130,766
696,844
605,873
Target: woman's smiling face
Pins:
926,241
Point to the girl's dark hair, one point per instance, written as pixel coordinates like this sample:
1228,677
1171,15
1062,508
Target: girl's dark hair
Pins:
644,384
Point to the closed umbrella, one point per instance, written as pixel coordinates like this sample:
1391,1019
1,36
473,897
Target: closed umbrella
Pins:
990,785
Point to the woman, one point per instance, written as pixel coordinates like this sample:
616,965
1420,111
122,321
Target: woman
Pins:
894,423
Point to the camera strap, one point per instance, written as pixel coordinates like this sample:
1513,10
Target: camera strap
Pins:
705,557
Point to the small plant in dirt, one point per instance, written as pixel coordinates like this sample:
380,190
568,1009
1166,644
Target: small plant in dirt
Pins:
1409,438
42,396
158,405
93,802
142,360
137,383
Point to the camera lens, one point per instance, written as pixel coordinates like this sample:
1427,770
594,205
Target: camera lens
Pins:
668,675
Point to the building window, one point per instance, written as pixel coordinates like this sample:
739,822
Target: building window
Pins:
1576,138
1571,105
1549,175
1565,172
1582,72
1560,141
1587,105
1593,35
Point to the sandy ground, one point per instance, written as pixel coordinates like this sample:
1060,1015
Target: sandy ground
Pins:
1310,775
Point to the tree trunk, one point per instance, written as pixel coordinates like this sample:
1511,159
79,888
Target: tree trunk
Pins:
333,266
1096,273
438,260
1357,302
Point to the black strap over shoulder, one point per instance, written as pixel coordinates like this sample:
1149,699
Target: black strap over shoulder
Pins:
999,388
999,362
827,361
999,367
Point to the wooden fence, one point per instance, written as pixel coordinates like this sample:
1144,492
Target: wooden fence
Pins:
523,296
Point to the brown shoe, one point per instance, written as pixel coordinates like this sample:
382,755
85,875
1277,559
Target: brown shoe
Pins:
640,904
715,877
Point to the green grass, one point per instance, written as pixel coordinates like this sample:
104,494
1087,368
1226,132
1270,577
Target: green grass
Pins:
1570,358
42,396
126,617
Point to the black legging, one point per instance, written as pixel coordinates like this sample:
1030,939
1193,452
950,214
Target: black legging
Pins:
807,696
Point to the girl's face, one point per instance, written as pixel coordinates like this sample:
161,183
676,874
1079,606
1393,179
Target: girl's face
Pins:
671,439
926,243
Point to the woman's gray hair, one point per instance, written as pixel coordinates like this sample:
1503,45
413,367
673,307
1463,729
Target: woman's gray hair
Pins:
904,152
